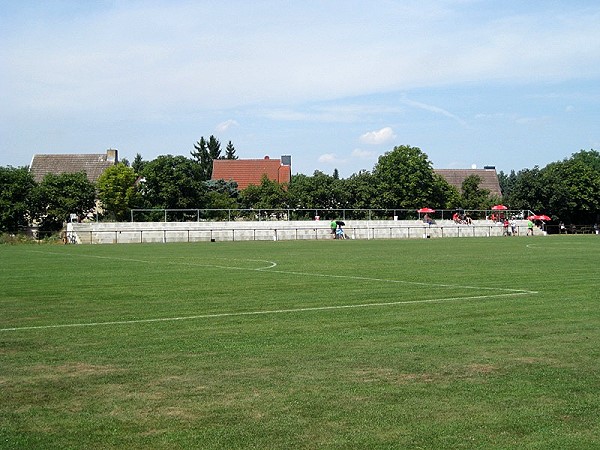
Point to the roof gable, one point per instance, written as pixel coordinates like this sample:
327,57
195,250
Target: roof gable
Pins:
92,164
250,171
489,178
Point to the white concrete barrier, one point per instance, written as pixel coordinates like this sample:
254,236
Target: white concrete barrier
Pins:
142,232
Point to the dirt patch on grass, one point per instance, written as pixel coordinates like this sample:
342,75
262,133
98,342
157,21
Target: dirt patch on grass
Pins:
73,370
381,375
386,375
481,369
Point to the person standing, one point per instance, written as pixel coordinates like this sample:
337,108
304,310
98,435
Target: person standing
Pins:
505,224
513,226
529,227
333,226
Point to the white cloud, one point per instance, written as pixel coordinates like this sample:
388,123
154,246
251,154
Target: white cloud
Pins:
224,126
154,56
382,136
434,109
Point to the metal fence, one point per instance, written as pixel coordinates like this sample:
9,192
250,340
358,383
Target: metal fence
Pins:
289,214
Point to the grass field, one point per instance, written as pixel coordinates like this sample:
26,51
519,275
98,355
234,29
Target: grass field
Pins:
434,343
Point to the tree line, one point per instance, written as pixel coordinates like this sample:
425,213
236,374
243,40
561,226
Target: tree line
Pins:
402,178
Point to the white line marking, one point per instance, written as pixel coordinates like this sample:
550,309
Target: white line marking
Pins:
264,312
504,292
306,274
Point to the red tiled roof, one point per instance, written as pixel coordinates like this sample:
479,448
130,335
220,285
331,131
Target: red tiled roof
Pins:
250,171
489,178
92,164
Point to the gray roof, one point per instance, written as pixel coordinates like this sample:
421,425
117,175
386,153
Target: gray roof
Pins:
92,164
455,177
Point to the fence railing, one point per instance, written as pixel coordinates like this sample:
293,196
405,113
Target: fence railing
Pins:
289,214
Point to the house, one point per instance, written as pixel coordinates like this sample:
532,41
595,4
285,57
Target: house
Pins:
92,164
250,171
488,175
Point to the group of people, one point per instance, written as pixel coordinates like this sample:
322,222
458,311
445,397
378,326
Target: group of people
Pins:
461,218
336,229
511,229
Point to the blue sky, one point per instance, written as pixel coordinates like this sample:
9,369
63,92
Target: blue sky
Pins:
334,84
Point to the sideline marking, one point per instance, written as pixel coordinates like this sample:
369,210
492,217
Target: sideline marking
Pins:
264,312
291,272
504,292
171,262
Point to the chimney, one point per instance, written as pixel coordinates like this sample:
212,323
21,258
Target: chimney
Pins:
112,155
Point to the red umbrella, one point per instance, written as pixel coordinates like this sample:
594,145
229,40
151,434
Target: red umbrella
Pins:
499,208
425,210
539,217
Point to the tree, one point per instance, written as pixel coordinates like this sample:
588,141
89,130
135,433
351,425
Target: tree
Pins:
58,196
405,180
360,189
589,158
528,191
507,182
230,151
16,186
117,190
138,164
473,197
173,182
221,195
319,191
572,189
204,154
214,148
269,195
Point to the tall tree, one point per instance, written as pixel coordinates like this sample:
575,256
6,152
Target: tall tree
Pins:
117,190
58,196
230,151
214,149
405,179
319,191
528,191
360,189
506,182
138,164
572,189
16,186
474,197
204,153
269,195
173,182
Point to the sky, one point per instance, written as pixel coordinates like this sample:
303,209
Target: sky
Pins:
335,84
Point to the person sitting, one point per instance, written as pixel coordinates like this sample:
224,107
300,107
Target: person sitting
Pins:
563,229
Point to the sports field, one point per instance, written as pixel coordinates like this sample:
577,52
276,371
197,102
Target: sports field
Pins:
432,343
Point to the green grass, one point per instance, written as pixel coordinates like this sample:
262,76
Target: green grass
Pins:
467,343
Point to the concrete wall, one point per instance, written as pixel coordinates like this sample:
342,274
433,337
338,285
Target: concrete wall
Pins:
138,232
